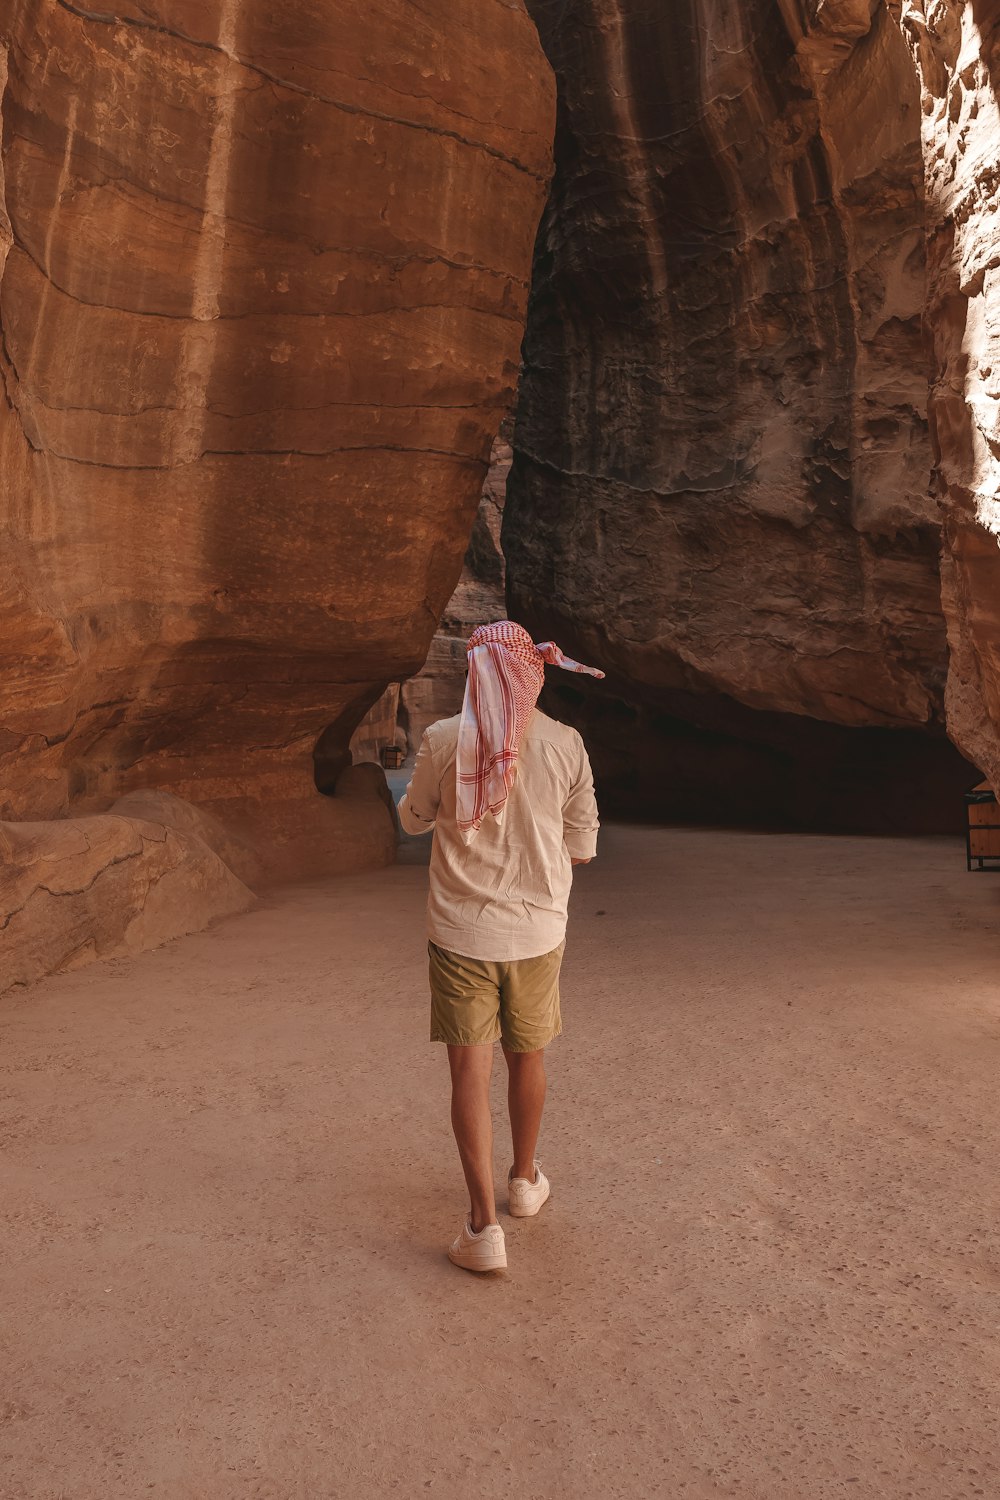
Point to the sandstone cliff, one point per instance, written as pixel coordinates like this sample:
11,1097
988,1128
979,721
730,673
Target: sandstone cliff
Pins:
956,50
721,485
261,316
437,691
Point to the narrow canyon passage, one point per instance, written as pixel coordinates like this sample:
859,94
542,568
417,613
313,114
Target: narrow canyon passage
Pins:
768,1270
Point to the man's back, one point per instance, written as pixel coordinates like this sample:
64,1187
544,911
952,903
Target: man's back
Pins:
505,895
497,906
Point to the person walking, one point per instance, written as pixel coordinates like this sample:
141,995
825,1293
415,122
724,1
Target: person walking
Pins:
509,795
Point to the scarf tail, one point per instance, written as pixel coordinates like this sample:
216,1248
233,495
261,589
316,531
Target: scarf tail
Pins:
506,674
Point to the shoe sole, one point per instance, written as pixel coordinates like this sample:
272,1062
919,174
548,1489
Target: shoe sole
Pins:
496,1263
529,1213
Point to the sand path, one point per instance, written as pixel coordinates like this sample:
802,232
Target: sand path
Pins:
770,1267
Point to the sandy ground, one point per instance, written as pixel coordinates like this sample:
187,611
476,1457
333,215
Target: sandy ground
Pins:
769,1268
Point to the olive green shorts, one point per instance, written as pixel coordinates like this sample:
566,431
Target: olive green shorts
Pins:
475,1000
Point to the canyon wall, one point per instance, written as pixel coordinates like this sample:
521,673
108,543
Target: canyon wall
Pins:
401,715
438,689
956,50
265,277
721,481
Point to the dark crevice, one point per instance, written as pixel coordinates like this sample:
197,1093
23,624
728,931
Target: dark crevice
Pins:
692,759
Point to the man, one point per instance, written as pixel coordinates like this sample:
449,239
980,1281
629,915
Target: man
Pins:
510,797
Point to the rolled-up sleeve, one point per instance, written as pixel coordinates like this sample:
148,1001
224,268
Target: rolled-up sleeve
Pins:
418,806
580,820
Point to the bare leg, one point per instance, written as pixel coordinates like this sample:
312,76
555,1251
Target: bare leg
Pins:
525,1101
473,1126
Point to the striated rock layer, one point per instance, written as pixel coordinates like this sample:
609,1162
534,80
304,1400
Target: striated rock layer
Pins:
438,689
401,715
261,309
76,889
720,489
956,49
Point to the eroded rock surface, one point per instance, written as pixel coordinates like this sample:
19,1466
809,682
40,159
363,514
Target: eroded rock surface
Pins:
721,483
956,49
437,691
261,317
76,889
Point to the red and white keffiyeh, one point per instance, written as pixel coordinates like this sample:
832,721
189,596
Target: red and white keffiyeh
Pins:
506,673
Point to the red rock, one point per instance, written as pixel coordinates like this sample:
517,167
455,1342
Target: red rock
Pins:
261,317
76,889
956,50
720,489
437,691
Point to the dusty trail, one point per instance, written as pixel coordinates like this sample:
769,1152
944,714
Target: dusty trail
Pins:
770,1267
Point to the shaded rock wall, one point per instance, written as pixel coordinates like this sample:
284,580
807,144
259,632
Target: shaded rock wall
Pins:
378,730
437,691
720,488
404,710
261,315
956,49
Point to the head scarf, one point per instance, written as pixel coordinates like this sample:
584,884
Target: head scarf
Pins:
506,673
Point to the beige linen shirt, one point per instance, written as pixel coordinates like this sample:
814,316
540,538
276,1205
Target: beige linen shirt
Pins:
505,895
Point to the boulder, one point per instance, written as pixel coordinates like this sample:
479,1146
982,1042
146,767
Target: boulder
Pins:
76,889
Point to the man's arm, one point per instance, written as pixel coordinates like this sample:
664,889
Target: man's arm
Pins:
418,806
580,820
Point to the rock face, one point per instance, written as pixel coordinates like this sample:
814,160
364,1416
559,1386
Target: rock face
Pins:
378,730
399,718
266,269
76,889
721,484
956,49
437,691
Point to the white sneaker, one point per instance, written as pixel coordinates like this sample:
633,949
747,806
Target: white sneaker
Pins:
484,1251
526,1198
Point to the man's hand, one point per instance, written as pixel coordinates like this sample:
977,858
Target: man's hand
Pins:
579,861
